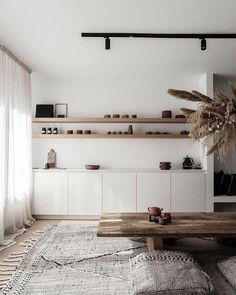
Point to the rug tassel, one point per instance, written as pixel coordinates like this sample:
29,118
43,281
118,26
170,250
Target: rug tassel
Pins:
12,259
33,239
5,279
18,253
7,271
8,264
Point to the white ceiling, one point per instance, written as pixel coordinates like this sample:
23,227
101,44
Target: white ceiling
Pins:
45,34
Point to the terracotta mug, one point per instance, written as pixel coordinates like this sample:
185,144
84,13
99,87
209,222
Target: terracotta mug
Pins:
156,211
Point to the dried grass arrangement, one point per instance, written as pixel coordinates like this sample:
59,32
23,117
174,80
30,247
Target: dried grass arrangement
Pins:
213,119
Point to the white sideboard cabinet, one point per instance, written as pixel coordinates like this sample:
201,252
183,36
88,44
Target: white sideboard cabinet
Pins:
119,192
153,189
188,192
89,193
50,193
84,193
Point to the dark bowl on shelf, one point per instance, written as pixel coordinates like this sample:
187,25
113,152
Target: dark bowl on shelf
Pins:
92,167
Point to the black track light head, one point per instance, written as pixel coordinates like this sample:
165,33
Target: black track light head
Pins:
203,44
107,43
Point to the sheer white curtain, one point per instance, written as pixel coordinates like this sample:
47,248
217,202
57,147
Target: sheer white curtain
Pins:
15,148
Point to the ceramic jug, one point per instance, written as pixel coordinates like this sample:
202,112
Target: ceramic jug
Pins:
155,211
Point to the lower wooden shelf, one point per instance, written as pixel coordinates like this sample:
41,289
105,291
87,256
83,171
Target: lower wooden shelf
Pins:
54,136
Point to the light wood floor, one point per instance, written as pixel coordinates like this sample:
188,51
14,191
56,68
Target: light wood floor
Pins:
38,225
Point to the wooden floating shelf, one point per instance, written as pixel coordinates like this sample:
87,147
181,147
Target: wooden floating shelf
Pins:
157,136
111,120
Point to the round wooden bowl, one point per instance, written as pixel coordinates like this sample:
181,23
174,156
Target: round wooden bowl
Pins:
92,167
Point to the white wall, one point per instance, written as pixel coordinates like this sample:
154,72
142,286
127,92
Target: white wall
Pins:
228,164
132,77
144,94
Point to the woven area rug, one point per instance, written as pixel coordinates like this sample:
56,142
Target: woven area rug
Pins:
70,259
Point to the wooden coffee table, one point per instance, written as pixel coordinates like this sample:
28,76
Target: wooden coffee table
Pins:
221,225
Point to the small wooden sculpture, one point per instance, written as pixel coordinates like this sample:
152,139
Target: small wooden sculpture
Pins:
51,159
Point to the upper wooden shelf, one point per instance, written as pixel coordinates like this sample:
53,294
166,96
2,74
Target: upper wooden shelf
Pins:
111,120
171,135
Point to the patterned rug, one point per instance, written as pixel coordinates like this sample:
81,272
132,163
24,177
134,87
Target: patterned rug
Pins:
70,259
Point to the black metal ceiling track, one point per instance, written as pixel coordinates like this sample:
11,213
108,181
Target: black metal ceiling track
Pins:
201,37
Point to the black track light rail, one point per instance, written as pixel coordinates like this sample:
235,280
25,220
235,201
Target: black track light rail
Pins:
161,35
202,37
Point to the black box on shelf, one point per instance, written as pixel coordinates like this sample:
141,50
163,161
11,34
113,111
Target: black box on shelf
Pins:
44,111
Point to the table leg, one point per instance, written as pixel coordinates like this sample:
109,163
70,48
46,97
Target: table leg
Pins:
155,244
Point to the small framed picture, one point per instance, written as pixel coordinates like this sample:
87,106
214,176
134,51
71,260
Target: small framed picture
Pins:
61,110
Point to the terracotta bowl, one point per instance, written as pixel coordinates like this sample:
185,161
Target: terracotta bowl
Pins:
92,167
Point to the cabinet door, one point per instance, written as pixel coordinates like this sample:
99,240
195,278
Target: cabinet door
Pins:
153,190
188,192
119,192
50,193
85,193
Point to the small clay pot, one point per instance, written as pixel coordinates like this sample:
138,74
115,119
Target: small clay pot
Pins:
79,132
134,116
125,116
163,220
116,116
156,211
157,132
87,132
119,132
167,114
108,132
165,165
125,132
107,116
167,216
69,131
114,132
164,133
